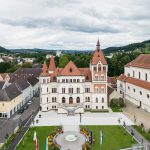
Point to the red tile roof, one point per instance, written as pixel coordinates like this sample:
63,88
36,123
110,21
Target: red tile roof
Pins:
122,77
137,82
87,73
112,81
70,70
52,65
142,61
44,70
134,81
98,56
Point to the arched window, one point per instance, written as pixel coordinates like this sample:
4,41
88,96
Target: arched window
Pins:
63,100
102,100
78,100
99,67
88,99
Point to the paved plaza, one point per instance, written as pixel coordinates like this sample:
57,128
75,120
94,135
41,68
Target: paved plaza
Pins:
51,118
140,115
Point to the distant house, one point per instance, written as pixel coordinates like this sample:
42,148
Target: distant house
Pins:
17,89
48,56
5,76
10,101
58,53
15,95
1,59
27,72
29,60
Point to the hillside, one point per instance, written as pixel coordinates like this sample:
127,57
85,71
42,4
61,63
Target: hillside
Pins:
3,50
142,46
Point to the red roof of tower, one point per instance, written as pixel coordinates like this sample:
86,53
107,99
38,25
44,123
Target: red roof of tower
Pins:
44,70
52,65
98,55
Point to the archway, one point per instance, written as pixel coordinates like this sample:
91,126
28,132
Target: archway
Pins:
70,100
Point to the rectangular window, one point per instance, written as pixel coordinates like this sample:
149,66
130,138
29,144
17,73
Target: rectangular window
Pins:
63,90
78,90
70,90
54,90
87,90
146,76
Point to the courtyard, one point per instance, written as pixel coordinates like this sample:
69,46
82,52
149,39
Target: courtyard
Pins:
115,137
51,118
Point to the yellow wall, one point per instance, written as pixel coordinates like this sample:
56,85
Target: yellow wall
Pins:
8,105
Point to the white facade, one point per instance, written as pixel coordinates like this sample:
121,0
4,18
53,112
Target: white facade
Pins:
139,73
74,92
135,85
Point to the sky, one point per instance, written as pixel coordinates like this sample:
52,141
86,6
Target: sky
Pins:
73,24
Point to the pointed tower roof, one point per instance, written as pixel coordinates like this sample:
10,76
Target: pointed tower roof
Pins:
44,70
70,70
52,65
98,55
98,45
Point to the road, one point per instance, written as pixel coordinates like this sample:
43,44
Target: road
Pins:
7,126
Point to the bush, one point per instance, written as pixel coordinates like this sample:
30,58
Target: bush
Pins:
117,102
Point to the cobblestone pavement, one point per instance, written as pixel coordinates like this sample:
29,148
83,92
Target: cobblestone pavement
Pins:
137,115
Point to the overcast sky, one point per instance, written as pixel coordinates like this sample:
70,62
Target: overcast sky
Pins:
73,24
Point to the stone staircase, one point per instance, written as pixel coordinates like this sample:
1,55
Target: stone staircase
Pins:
71,108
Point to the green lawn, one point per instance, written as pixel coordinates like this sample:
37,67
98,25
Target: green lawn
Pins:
139,129
114,138
42,133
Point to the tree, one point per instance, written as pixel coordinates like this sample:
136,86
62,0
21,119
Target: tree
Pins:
63,61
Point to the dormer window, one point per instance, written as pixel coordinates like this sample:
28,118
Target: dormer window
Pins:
70,70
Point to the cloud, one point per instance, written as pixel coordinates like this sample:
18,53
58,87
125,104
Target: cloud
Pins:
73,24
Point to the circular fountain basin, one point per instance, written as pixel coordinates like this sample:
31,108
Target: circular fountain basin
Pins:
71,138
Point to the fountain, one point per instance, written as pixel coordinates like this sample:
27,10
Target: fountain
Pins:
71,138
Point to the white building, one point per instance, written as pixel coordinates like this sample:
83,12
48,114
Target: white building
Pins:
1,59
134,85
58,53
72,89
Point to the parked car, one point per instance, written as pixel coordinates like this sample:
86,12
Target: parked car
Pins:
29,102
20,111
26,107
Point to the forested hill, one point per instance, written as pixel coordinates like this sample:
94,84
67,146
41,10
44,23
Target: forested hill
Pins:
129,47
3,50
144,47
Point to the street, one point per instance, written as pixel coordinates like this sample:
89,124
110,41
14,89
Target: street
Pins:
7,126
